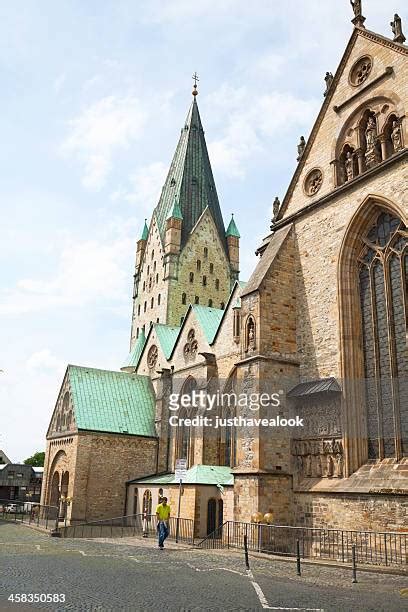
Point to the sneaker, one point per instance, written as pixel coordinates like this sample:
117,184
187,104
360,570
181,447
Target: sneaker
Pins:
161,547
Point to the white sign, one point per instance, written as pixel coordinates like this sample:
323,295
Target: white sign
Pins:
181,470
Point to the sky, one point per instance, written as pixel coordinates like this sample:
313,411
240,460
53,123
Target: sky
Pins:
93,98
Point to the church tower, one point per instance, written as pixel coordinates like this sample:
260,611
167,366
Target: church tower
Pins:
184,255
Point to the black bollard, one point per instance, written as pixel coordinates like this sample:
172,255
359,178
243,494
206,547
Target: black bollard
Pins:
353,558
246,552
299,573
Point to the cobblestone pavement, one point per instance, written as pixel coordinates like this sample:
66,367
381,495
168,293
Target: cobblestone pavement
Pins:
133,574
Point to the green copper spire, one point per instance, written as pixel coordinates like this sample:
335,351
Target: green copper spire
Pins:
190,178
175,212
145,232
232,229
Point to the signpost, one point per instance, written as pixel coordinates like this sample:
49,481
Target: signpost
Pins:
179,476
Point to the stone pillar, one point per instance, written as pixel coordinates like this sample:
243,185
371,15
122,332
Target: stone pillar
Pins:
383,143
360,160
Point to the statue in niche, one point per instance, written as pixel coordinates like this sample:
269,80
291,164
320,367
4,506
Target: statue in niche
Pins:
328,80
371,133
301,147
396,27
339,466
396,136
349,166
329,466
251,334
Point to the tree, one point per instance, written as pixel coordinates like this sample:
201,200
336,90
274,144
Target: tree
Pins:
37,460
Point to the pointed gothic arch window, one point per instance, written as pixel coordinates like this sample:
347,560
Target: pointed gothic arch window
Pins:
198,265
184,298
138,311
383,269
185,433
159,299
196,299
217,283
152,303
204,281
191,277
211,268
205,252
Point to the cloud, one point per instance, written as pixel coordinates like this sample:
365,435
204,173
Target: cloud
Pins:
45,360
89,272
103,128
251,123
144,187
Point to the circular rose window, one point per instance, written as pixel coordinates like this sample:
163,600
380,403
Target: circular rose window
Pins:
152,356
313,182
361,70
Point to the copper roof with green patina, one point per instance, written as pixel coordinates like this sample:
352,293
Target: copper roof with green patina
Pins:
191,180
133,358
208,319
232,229
218,475
167,336
110,401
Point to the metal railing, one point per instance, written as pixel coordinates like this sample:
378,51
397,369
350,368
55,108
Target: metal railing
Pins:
371,547
180,529
29,513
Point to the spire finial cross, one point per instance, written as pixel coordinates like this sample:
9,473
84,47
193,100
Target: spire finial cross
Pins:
195,79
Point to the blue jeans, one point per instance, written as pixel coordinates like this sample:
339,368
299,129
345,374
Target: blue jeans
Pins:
163,532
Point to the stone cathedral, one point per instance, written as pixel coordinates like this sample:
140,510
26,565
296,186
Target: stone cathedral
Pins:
322,320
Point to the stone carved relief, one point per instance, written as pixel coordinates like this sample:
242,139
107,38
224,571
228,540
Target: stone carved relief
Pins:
152,356
319,458
360,71
313,182
248,386
191,346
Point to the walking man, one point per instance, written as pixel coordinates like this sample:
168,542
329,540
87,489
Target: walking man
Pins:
163,516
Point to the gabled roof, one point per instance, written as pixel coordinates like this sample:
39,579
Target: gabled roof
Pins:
109,401
381,40
133,358
209,320
266,260
198,474
167,336
191,180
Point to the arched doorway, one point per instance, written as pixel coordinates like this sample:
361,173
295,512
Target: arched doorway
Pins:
54,490
211,515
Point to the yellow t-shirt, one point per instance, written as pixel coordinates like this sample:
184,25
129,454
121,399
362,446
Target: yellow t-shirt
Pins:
163,512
